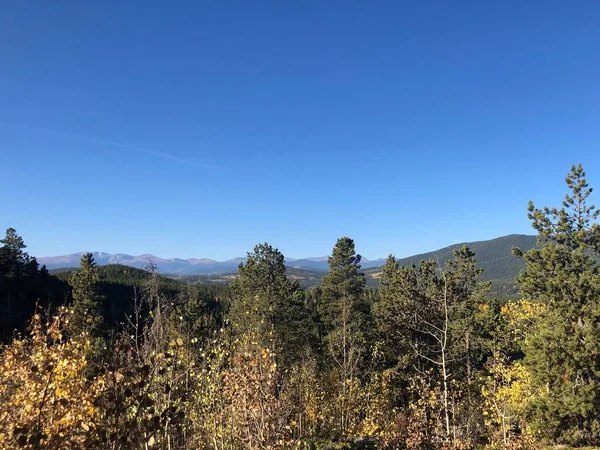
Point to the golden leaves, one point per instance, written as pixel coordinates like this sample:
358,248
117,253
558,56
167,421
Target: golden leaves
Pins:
47,395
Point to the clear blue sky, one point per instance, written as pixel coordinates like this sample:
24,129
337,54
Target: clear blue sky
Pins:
197,129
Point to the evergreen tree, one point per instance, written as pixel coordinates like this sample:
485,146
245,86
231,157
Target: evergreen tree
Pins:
388,313
426,318
200,312
20,286
470,293
266,301
87,302
13,258
343,316
563,353
343,288
388,278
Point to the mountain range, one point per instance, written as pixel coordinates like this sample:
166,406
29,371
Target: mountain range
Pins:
178,266
494,256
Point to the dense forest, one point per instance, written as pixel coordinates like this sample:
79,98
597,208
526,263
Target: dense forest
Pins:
112,357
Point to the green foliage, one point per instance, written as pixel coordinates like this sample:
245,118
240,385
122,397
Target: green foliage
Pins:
431,359
389,311
200,312
15,262
344,318
572,225
562,353
266,301
23,285
87,302
427,320
342,288
119,285
493,257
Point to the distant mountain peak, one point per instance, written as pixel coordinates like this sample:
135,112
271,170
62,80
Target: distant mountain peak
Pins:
490,249
202,261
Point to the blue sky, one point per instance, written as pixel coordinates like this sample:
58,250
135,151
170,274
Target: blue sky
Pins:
199,129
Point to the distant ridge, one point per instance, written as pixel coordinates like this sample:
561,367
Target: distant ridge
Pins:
493,255
178,266
164,265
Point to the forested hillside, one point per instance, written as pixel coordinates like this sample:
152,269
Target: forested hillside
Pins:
114,357
494,257
119,285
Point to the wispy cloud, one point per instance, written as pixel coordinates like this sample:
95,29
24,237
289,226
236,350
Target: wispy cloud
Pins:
427,230
116,144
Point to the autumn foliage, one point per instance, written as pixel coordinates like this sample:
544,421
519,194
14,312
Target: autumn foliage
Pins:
427,361
47,399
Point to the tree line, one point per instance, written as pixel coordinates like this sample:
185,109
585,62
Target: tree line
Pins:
429,360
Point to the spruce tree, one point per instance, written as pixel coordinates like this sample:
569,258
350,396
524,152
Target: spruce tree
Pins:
563,352
87,301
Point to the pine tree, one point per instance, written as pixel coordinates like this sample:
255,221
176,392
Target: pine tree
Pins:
20,287
563,351
470,293
426,318
13,258
388,313
87,302
343,287
344,315
267,302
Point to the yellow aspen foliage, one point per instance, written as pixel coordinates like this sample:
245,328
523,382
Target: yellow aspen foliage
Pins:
520,316
235,398
306,398
382,419
507,390
250,384
46,401
423,412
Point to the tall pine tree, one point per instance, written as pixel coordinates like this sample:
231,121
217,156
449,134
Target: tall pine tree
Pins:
87,301
342,288
267,302
344,315
20,286
563,352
